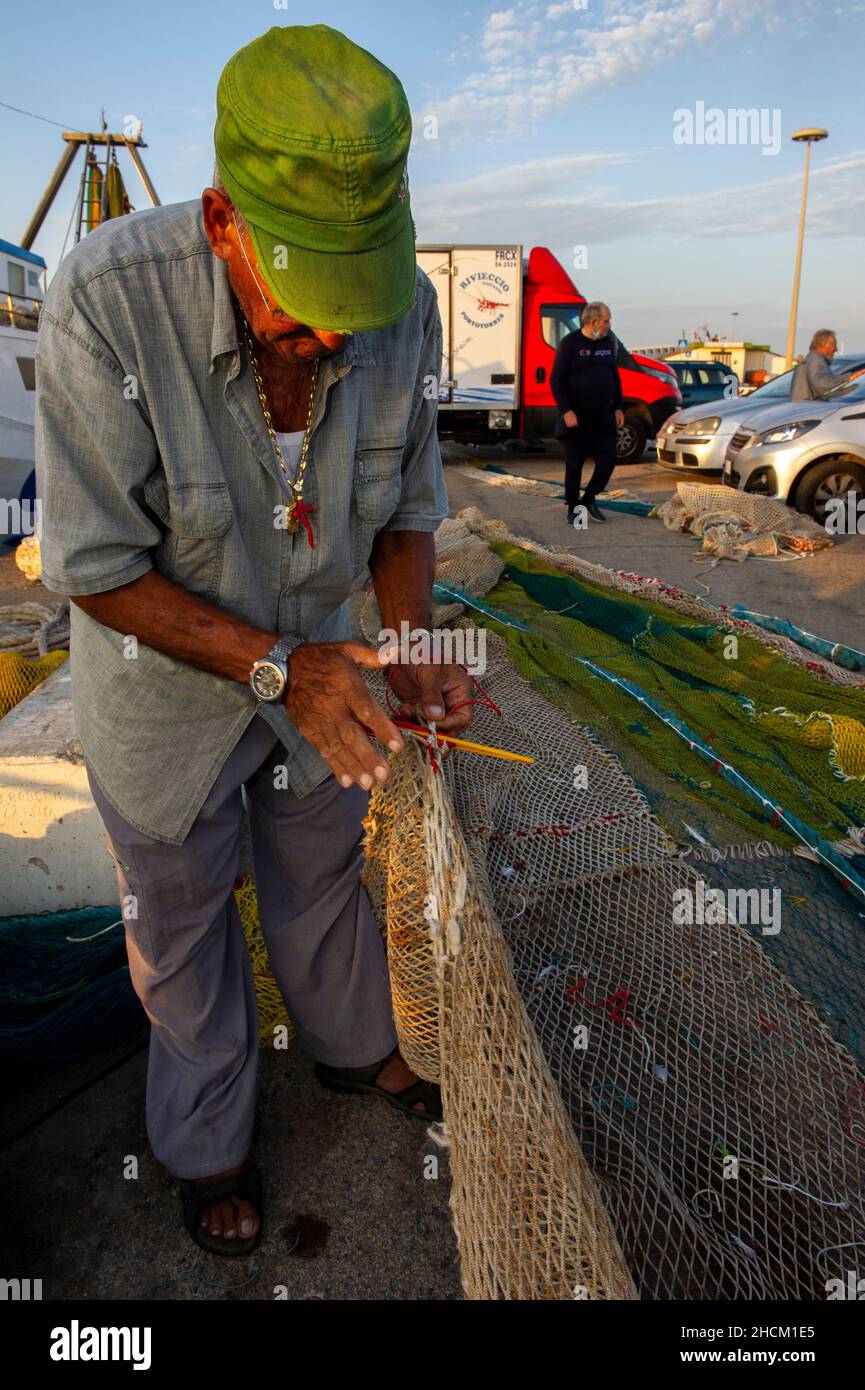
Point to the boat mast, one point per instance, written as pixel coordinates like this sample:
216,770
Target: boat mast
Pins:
89,141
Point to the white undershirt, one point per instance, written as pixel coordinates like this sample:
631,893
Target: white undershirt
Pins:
290,446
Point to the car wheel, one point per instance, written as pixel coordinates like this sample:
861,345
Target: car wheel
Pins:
631,439
828,481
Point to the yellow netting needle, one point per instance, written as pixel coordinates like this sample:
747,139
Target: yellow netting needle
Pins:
463,743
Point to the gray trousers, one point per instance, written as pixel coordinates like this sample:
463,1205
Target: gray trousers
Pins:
188,958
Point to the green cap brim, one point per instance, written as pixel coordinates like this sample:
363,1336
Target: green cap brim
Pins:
347,291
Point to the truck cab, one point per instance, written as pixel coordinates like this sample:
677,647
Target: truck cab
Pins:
551,310
503,316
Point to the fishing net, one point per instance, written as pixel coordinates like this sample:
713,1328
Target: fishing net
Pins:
642,1096
734,525
272,1013
64,985
19,676
722,1122
65,989
34,641
719,1118
28,557
778,636
527,1214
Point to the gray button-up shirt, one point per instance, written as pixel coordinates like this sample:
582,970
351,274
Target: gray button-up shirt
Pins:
814,378
152,451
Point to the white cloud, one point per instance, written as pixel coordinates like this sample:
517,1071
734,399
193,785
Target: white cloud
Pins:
531,203
604,48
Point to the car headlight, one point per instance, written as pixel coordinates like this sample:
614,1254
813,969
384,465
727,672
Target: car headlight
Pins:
668,378
707,426
782,434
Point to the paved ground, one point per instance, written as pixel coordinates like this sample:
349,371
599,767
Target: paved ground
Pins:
821,593
347,1172
372,1225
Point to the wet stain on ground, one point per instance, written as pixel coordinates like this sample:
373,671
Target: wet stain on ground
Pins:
306,1236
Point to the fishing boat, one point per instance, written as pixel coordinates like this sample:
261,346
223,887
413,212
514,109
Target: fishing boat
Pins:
101,195
22,290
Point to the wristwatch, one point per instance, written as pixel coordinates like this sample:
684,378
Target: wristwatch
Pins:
269,675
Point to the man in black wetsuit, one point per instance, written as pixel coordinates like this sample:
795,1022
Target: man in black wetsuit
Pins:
586,388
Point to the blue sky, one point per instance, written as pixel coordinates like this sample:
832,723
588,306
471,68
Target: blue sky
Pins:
554,127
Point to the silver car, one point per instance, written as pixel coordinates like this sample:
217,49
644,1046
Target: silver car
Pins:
804,453
697,438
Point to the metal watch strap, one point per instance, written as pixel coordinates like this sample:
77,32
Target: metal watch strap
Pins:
279,654
282,650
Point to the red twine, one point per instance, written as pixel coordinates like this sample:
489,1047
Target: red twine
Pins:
618,1001
439,742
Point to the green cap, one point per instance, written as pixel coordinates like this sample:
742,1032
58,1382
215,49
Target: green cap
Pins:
312,137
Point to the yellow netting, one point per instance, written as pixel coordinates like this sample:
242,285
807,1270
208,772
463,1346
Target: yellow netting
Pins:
19,676
271,1006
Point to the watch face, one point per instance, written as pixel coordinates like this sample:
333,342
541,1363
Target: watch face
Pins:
267,681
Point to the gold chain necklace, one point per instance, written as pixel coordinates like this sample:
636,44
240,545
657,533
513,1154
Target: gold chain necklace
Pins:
297,509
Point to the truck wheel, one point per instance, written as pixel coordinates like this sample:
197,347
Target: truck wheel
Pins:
826,481
632,438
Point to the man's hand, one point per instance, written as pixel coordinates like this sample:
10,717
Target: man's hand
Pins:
429,692
328,701
620,419
570,419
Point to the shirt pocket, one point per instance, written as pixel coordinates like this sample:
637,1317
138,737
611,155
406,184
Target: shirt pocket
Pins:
378,480
195,517
377,492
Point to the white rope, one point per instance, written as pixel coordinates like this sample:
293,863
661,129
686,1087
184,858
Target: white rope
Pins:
32,629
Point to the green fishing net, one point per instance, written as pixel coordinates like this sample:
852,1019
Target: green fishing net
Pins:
798,739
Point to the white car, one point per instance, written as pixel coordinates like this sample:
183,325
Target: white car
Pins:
809,454
697,438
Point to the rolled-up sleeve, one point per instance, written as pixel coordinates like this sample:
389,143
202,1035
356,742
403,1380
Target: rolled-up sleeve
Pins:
94,451
423,503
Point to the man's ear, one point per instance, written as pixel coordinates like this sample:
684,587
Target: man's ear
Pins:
218,222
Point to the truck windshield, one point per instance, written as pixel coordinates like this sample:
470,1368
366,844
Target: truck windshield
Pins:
557,321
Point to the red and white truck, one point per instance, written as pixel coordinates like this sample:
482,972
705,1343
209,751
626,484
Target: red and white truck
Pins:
503,316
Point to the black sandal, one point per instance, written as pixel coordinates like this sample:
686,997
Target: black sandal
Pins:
361,1080
195,1196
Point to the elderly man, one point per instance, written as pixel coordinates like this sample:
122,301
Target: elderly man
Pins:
814,378
237,413
586,387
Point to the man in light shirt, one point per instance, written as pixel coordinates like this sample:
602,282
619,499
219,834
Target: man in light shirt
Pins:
813,379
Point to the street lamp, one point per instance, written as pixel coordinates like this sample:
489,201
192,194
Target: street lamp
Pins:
734,315
809,136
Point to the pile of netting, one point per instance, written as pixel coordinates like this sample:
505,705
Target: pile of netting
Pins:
64,985
34,641
544,925
65,989
734,525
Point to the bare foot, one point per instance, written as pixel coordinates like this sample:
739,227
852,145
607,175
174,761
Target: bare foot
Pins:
396,1076
230,1217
